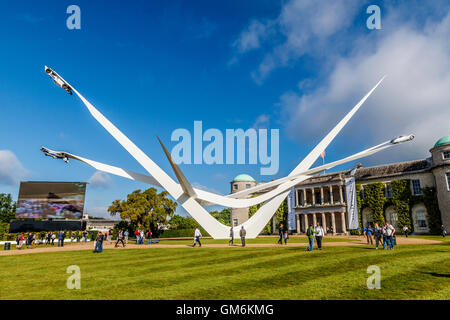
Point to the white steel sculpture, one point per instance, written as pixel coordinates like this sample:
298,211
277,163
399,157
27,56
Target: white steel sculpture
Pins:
192,199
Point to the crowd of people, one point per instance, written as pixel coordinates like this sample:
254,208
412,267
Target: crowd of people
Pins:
32,239
384,235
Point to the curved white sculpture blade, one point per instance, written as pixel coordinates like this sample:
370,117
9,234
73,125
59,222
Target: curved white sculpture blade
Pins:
217,230
216,199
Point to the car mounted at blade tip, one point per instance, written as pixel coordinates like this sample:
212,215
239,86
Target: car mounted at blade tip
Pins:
58,80
55,154
402,139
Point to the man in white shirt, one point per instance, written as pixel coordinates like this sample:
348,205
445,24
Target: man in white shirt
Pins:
197,236
390,230
319,233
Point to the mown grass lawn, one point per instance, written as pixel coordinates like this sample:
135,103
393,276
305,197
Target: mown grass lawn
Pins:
409,272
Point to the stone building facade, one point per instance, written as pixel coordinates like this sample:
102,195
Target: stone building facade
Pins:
321,199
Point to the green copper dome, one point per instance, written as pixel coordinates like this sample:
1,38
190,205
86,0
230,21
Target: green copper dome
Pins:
443,141
243,177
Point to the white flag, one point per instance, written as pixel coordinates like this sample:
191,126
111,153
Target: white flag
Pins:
352,207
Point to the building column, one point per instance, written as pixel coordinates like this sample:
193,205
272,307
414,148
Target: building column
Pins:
297,195
333,223
331,195
321,196
324,223
298,223
313,197
304,197
344,228
306,221
314,219
341,196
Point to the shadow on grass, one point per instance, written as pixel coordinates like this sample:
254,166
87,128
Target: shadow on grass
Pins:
439,275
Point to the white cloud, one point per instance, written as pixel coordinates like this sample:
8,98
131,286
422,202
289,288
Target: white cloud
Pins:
290,34
11,170
100,180
262,122
414,98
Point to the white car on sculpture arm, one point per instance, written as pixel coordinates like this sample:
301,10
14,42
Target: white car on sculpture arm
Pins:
58,80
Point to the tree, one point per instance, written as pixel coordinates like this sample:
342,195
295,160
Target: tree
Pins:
223,216
178,222
148,209
7,208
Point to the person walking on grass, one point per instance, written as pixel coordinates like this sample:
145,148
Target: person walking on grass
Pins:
389,234
20,244
29,240
405,231
53,238
197,236
49,238
377,235
149,237
242,234
318,230
125,235
85,236
369,232
286,237
280,233
120,239
61,237
310,234
443,231
99,243
231,242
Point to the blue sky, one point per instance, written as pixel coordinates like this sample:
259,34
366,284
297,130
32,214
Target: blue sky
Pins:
154,66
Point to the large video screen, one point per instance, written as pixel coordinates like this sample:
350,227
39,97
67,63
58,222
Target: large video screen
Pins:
57,200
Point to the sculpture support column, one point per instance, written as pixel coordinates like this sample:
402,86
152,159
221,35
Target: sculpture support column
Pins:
344,228
333,223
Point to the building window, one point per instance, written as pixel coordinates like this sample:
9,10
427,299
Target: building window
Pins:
247,186
235,186
416,187
448,180
421,219
446,154
388,190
